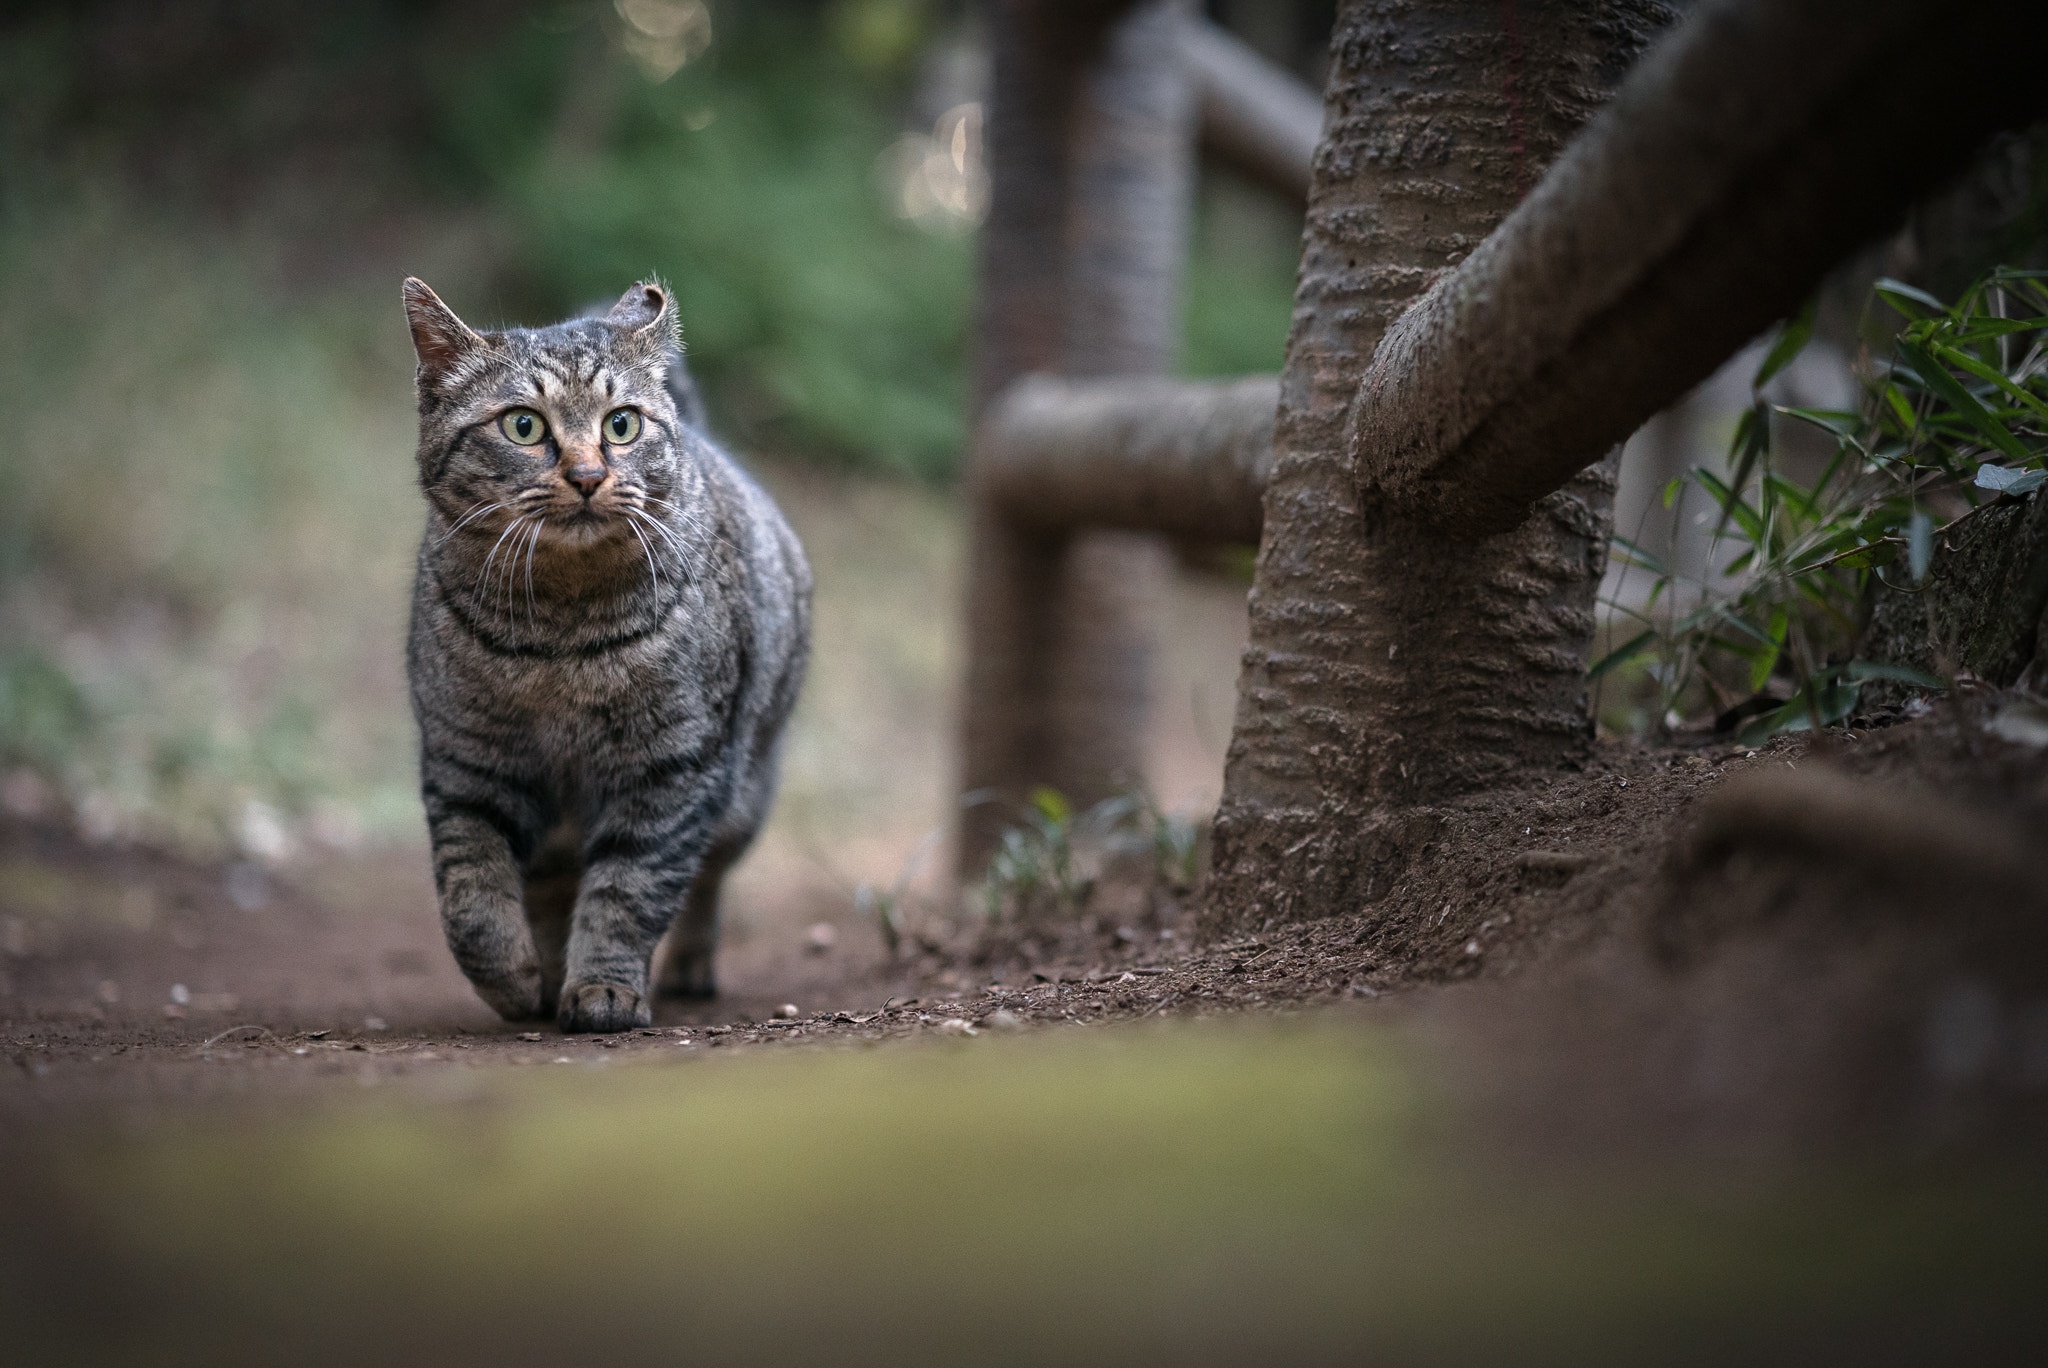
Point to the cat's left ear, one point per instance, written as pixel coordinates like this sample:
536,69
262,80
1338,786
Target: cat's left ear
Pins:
648,311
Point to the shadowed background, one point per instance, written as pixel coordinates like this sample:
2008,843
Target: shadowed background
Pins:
204,211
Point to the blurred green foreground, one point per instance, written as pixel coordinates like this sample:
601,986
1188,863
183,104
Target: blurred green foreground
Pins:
1199,1193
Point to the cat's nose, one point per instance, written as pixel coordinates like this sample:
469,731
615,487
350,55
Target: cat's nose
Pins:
586,474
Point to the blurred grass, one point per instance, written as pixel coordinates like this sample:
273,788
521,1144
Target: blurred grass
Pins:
1217,1193
205,546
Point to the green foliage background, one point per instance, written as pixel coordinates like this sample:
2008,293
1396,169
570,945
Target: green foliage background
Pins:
205,378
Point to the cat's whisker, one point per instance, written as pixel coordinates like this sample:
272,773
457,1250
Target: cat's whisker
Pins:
691,557
633,522
695,525
503,580
478,511
484,576
512,565
692,524
679,549
532,545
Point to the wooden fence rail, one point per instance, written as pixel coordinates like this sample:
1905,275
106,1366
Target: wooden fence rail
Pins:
1749,151
1185,458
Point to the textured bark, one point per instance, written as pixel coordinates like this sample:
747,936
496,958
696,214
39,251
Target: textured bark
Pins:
1980,610
1389,665
1090,147
1739,163
1179,457
1256,116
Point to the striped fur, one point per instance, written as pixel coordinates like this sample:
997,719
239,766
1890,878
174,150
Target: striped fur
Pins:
601,678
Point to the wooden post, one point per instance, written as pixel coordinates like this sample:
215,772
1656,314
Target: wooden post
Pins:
1090,154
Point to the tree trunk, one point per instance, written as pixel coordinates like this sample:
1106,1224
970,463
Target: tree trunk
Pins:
1390,666
1979,612
1090,146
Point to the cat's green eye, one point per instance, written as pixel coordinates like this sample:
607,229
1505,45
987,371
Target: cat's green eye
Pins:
524,426
621,426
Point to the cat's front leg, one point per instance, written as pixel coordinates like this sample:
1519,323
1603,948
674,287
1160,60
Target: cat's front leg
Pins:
639,865
479,882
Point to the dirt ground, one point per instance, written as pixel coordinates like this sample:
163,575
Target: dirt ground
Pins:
1816,939
1699,1054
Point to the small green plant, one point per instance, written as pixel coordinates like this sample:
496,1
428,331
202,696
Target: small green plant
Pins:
1957,412
1049,863
891,907
1033,868
1134,824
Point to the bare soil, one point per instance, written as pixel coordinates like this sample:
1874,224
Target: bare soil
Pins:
1833,938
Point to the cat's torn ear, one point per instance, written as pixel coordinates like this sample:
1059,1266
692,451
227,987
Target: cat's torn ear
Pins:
441,340
649,309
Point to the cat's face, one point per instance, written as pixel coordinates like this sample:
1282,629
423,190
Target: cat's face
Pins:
568,432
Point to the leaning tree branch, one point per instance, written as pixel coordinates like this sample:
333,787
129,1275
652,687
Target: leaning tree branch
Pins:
1258,117
1182,457
1759,145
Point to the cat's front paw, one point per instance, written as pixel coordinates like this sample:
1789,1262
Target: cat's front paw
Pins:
602,1007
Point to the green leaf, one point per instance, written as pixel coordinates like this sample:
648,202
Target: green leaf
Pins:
1792,339
1863,671
1638,556
1909,300
1965,403
1967,362
1623,653
1760,669
1836,421
1052,805
1981,328
1901,407
1732,506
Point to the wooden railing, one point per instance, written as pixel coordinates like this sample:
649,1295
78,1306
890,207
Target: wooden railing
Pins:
1751,149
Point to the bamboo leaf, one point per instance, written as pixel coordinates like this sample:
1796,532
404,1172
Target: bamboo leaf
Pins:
1966,404
1909,300
1623,653
1837,422
1862,671
1977,368
1638,556
1792,339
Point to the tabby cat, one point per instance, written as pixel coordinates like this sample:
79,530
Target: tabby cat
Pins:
609,627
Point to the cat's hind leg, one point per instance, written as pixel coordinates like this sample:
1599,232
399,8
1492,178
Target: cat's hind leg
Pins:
683,964
552,877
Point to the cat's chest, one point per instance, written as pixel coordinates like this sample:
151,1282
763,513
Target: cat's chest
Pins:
613,699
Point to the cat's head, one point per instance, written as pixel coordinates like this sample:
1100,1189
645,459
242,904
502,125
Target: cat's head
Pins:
572,427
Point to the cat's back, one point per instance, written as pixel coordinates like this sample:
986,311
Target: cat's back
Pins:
772,577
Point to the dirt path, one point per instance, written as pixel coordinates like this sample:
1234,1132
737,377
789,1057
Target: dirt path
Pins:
1755,1042
1560,922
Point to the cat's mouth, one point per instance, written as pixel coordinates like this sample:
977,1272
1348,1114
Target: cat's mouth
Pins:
581,525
